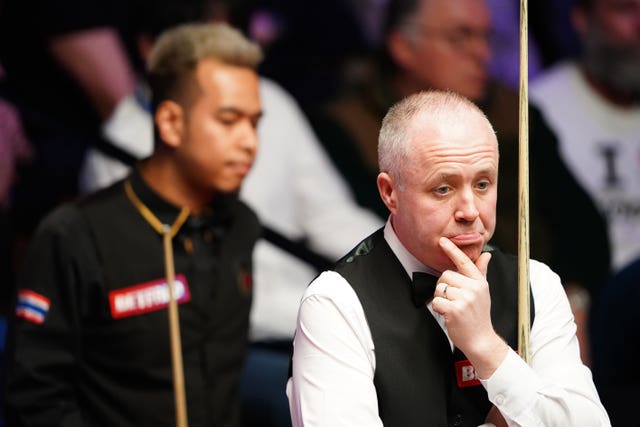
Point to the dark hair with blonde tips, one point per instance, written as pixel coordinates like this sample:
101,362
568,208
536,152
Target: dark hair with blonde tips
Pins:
177,52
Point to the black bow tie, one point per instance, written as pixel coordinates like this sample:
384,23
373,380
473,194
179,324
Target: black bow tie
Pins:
423,287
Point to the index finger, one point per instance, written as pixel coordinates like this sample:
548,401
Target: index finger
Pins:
463,263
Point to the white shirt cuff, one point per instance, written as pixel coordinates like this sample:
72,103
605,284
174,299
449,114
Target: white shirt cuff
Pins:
513,386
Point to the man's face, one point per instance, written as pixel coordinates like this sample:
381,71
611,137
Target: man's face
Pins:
611,36
448,188
219,141
449,44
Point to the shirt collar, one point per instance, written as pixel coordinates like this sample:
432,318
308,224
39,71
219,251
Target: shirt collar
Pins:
408,261
219,211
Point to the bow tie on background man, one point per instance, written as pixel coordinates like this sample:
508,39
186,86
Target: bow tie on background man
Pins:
423,287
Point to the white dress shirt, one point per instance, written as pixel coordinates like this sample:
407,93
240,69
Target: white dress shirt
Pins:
293,187
334,359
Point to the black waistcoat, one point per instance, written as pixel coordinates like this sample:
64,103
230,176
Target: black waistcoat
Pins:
415,376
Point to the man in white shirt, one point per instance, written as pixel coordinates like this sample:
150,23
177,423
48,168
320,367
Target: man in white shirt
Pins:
372,347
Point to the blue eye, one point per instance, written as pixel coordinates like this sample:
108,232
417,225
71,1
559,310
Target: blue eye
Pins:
442,190
483,185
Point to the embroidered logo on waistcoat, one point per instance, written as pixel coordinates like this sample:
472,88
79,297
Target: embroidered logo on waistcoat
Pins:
146,297
466,374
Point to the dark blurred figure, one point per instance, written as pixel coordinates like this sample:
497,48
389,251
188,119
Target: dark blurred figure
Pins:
67,66
616,345
15,151
586,152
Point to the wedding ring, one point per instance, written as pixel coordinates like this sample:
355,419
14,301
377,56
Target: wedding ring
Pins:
444,291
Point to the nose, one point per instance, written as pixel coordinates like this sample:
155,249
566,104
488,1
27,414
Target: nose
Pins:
249,137
466,210
481,48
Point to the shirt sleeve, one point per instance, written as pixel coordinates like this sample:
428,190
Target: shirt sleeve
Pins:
556,389
333,360
42,358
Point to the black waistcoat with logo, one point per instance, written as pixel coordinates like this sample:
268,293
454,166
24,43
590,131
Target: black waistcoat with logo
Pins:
415,378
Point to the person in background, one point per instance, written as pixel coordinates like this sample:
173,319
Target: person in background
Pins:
89,343
417,324
587,121
67,66
428,44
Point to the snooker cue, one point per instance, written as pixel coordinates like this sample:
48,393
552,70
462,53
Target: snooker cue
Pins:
524,318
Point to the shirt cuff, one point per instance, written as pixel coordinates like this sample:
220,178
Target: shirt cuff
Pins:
513,386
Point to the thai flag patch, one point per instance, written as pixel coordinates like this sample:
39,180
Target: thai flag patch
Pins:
32,306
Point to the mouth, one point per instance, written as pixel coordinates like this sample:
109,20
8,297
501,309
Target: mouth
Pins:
467,239
240,168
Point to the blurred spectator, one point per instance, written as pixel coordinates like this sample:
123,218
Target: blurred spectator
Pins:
441,44
616,345
589,122
67,67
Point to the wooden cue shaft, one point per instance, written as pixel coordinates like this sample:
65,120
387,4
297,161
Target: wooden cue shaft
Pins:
523,193
174,334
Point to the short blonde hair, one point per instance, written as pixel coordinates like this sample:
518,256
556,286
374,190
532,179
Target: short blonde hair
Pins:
178,50
394,140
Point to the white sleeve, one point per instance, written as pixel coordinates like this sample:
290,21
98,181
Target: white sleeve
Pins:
333,359
556,389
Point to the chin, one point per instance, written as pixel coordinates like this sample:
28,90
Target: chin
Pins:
473,252
229,186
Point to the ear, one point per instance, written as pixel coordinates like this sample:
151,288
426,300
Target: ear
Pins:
388,191
170,121
400,49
